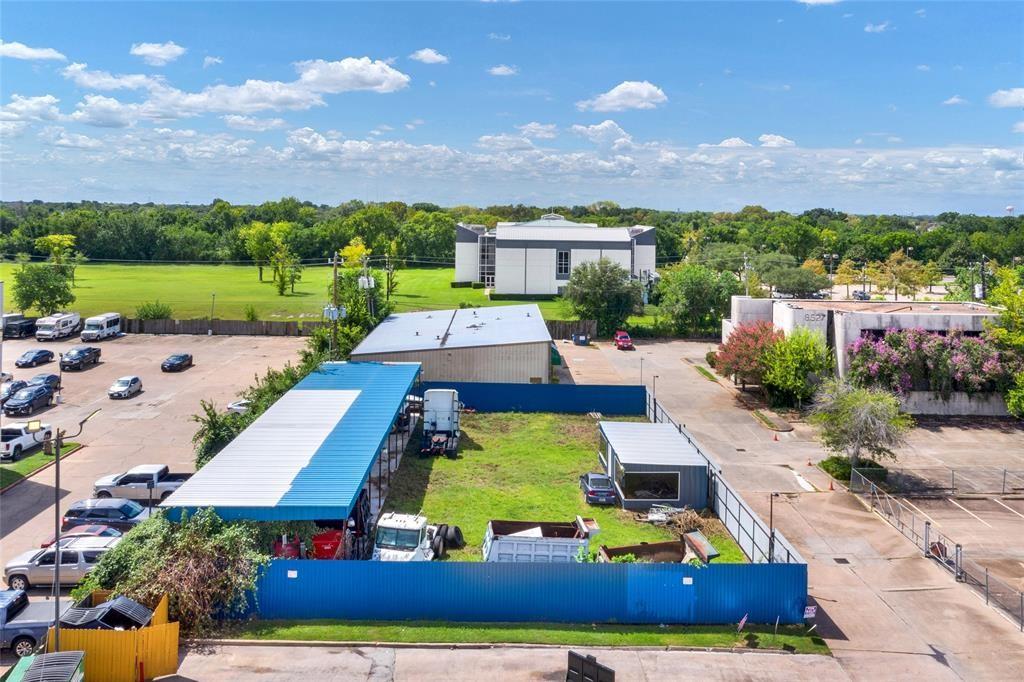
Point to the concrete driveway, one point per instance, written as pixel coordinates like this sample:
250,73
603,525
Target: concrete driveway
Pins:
152,427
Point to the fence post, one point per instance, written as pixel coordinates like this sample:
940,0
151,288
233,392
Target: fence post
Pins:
958,562
952,481
927,535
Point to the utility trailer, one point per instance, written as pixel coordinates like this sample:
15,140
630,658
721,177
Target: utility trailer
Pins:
538,541
441,433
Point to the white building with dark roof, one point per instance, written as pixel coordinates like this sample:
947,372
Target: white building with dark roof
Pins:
537,257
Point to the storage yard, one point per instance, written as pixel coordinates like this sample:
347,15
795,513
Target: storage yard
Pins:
521,467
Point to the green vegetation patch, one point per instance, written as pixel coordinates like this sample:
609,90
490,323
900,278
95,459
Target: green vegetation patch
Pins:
519,467
789,638
706,374
28,464
838,467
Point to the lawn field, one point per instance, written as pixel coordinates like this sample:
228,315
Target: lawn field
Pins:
188,289
15,471
519,467
792,638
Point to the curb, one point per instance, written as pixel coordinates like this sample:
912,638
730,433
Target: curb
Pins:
477,646
42,468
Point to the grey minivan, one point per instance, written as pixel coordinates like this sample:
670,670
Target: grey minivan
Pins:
37,567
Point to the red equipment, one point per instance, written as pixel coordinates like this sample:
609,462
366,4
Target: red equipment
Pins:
329,545
288,549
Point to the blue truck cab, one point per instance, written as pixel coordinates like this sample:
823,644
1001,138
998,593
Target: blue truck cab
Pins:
22,624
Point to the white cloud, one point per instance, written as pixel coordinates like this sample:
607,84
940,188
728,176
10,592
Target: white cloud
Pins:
730,143
924,67
626,95
414,124
104,112
40,108
252,123
211,61
504,37
772,140
894,139
1018,127
350,74
503,70
12,128
818,2
59,137
954,100
921,13
504,142
538,131
877,28
1014,97
80,75
158,54
603,133
1004,159
859,140
22,51
766,163
429,55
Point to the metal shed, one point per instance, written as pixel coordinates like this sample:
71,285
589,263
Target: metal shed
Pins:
506,344
653,464
311,454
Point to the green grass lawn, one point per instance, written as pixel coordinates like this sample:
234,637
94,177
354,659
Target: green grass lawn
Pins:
188,288
518,467
789,638
15,471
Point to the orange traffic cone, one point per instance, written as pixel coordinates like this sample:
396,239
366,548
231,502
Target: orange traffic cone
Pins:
809,462
830,486
775,436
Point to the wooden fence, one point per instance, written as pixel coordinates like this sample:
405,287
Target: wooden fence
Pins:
559,329
125,655
564,329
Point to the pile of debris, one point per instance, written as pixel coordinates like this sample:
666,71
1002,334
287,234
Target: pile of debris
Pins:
682,520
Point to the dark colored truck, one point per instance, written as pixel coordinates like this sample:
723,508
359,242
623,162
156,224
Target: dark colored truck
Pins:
19,328
22,624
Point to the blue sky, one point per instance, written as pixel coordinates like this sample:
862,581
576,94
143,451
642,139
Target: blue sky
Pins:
898,107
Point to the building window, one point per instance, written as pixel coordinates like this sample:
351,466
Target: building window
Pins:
648,485
562,264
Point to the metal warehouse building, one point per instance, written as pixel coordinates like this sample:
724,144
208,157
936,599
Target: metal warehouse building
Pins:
313,454
653,464
507,344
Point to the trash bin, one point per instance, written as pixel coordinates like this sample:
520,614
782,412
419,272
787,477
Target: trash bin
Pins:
581,339
328,545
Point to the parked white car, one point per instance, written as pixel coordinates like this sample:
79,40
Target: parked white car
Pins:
239,406
17,439
125,387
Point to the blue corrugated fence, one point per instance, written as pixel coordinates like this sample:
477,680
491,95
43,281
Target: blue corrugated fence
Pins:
568,593
496,397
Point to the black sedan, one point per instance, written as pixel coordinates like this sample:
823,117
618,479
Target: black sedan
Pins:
111,511
28,400
176,363
51,381
33,358
10,388
80,356
598,489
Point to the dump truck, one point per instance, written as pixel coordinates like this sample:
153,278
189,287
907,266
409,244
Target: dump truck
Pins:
539,541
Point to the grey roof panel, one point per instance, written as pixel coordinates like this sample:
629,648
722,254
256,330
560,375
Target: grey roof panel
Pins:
645,443
571,232
459,328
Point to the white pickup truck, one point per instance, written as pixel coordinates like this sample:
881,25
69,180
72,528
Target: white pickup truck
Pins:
17,439
135,484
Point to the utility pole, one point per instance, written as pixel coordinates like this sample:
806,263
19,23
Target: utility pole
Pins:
981,266
334,304
746,272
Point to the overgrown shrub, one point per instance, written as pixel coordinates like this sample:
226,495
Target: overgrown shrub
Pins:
711,357
154,310
744,354
251,314
794,366
839,468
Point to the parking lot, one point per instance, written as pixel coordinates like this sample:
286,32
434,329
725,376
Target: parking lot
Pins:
151,427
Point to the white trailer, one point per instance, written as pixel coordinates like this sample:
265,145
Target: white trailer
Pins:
441,431
58,326
538,541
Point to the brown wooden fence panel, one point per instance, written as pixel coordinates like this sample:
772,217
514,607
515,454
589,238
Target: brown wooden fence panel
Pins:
202,326
564,329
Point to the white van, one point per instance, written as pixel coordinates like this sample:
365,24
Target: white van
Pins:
101,327
57,326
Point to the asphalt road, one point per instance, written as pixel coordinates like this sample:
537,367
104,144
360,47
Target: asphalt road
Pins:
153,427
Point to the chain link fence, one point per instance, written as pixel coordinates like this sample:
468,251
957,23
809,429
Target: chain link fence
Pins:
943,550
942,480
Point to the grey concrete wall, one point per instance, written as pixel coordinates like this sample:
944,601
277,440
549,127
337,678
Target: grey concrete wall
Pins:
959,404
514,363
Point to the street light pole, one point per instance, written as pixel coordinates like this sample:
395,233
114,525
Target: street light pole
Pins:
57,442
771,527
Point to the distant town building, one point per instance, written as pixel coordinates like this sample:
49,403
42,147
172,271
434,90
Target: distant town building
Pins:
537,257
843,322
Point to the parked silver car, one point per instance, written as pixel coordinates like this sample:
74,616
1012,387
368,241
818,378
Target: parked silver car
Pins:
37,567
125,387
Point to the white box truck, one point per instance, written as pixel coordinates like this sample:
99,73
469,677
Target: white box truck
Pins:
538,541
58,326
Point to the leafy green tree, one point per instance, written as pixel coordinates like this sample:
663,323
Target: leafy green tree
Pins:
43,286
798,282
58,246
1007,331
430,236
375,225
855,420
724,257
154,310
260,244
847,274
602,291
899,273
766,263
287,269
696,298
355,253
794,366
1015,397
815,265
931,274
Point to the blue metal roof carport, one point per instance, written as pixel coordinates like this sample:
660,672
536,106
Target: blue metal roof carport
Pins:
308,456
644,450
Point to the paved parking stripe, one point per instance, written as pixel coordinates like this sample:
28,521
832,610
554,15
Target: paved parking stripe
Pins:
971,513
1008,508
921,511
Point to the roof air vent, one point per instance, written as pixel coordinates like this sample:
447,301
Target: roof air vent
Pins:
552,216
